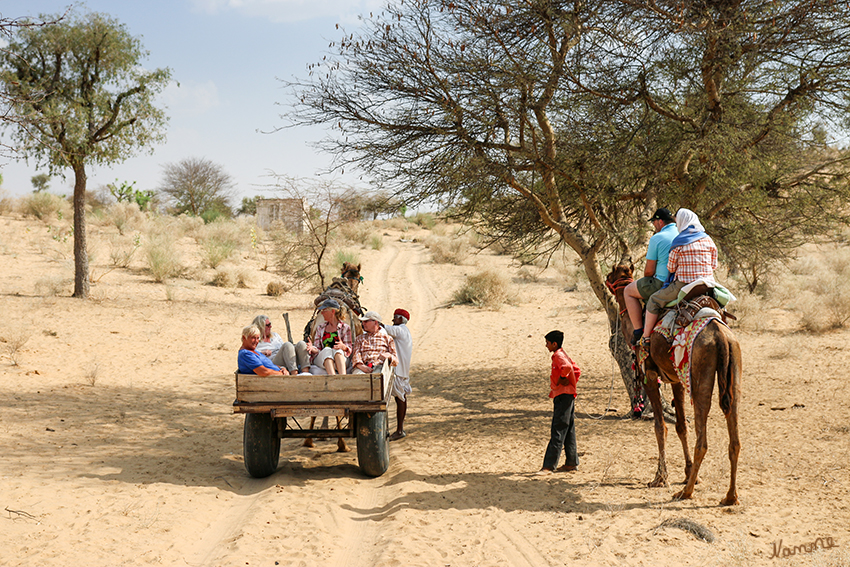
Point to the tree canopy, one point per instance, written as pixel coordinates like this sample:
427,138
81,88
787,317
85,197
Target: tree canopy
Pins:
199,187
81,96
576,119
557,123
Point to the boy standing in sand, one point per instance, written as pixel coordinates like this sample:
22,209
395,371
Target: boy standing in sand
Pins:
562,384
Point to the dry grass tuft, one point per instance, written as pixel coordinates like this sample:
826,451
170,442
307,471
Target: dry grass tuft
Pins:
125,217
219,241
448,249
161,252
223,278
485,289
52,286
275,289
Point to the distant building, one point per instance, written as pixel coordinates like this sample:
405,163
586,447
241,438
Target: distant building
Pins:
288,212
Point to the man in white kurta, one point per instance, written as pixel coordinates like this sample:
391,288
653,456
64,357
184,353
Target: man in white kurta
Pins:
401,384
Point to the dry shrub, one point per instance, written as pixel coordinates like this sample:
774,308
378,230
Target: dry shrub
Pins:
357,232
223,278
396,223
7,204
484,289
51,286
219,240
122,249
161,257
275,289
15,339
425,220
125,217
376,242
819,289
448,250
45,206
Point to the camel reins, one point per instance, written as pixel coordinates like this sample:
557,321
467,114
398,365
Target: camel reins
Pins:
617,286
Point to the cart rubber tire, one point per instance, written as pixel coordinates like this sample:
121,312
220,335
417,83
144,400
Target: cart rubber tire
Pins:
260,444
373,449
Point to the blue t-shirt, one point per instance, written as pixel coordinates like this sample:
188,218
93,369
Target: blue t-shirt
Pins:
248,360
659,249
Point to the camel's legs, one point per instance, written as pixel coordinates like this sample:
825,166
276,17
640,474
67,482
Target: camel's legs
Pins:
660,429
679,400
734,450
700,426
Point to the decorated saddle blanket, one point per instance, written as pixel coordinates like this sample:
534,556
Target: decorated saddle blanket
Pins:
682,345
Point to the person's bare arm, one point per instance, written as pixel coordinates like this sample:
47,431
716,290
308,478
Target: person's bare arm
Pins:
649,269
263,371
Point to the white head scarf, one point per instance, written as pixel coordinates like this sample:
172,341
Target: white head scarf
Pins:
686,218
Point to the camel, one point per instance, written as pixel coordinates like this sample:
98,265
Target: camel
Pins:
716,352
344,290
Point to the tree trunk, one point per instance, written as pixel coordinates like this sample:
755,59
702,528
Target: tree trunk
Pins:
81,257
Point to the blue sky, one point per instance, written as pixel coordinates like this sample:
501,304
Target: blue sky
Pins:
228,57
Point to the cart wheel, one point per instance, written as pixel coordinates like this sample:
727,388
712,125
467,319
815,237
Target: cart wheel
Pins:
373,451
260,444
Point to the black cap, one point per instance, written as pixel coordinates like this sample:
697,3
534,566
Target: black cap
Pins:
663,214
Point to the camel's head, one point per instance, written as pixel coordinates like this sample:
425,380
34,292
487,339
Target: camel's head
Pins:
351,274
620,276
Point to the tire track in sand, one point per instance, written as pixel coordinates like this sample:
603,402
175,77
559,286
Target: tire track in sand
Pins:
398,281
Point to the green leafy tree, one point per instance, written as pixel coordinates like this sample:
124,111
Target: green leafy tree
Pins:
40,182
565,124
199,187
81,96
249,206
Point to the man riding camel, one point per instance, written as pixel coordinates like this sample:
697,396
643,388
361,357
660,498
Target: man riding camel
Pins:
693,256
655,272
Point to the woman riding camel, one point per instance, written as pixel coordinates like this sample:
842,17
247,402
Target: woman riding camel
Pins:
330,346
693,256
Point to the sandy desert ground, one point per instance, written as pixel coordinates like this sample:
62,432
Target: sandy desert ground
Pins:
119,446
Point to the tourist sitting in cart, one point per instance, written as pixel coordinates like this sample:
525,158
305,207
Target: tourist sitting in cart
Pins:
372,347
252,362
330,346
289,357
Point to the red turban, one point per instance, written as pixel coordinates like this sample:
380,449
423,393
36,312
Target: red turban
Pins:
403,313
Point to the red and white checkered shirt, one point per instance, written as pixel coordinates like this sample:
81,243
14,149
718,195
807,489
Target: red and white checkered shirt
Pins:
368,348
694,261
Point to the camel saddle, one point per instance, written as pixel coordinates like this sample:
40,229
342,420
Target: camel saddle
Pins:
700,297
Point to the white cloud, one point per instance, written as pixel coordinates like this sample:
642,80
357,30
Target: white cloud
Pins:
190,98
291,10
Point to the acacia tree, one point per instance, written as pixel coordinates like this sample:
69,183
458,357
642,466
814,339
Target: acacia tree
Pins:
81,97
554,123
199,187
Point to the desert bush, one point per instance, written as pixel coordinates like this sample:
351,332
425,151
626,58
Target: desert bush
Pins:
7,204
343,256
358,232
223,278
15,339
448,250
161,257
219,240
425,220
122,249
51,286
397,223
45,206
275,289
376,242
124,216
484,289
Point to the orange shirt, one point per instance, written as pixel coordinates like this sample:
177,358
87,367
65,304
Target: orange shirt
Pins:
562,365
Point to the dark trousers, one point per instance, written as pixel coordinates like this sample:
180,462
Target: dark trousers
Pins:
563,432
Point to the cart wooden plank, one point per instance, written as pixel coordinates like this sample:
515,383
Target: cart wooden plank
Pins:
308,411
345,388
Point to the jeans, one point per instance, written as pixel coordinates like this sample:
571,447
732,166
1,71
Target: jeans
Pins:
563,433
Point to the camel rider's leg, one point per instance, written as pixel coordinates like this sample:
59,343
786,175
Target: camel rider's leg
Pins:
635,309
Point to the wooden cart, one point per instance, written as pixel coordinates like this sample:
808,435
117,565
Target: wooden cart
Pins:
280,407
